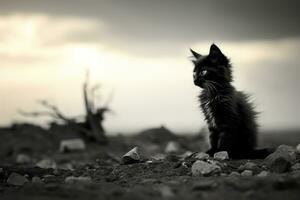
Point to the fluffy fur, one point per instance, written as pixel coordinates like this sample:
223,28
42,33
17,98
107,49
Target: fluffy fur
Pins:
230,116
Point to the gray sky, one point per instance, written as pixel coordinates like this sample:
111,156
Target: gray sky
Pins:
140,48
139,24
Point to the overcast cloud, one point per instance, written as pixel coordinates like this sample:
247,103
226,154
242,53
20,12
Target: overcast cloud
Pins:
134,24
140,48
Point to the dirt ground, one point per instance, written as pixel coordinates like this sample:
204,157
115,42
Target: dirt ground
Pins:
104,176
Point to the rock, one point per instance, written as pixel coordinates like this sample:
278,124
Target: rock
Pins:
133,156
185,155
49,178
1,171
263,174
149,162
47,164
172,147
16,179
248,166
247,173
221,155
72,145
234,173
203,168
166,191
288,150
202,156
36,180
281,160
296,174
158,157
23,159
277,163
81,180
66,166
215,162
296,167
298,149
205,185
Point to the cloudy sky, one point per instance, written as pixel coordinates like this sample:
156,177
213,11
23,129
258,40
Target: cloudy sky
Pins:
139,49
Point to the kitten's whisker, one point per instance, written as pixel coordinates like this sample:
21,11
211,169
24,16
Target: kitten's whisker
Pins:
213,87
215,82
208,88
212,90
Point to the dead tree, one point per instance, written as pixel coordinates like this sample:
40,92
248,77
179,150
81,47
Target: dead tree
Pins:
94,115
92,121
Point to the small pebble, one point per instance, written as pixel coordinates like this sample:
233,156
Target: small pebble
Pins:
166,191
23,159
47,164
158,157
247,173
263,174
248,166
36,180
16,179
234,173
49,178
202,156
75,144
132,156
287,149
296,167
81,180
186,155
172,147
279,161
221,155
203,168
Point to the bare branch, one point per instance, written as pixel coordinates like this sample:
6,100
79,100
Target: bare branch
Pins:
36,114
54,109
109,99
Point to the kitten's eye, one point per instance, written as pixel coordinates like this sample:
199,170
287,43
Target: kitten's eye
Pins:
203,72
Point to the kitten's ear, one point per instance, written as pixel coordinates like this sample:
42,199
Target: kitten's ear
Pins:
195,54
214,50
216,55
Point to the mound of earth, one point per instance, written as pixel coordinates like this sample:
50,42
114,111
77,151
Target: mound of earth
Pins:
184,172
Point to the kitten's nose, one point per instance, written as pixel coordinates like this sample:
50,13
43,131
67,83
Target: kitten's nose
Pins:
196,79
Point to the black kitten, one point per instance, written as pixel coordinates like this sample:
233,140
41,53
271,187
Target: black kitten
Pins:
230,116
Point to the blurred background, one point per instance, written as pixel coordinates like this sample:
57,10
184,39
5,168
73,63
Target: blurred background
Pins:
140,50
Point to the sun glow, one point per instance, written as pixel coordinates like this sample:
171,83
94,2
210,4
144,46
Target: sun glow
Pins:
43,57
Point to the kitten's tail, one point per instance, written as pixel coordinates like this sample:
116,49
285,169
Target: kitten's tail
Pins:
253,154
260,153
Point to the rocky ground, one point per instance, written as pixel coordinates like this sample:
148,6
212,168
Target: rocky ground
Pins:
154,164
